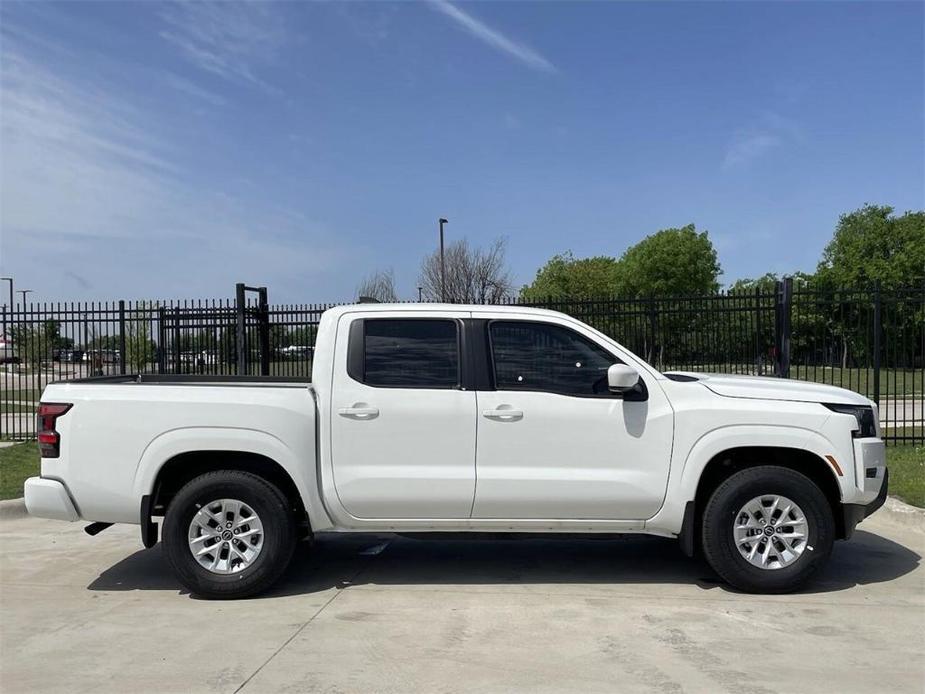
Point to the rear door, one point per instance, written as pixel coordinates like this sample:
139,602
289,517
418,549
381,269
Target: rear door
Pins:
403,429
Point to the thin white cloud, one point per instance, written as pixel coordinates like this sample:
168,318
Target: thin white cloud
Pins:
493,37
230,39
746,146
74,159
769,132
190,88
97,200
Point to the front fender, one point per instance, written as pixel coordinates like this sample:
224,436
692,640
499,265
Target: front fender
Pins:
682,486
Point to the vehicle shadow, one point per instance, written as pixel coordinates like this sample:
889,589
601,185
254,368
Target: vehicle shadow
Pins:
339,561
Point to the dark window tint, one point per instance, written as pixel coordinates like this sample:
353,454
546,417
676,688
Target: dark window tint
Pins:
543,356
411,353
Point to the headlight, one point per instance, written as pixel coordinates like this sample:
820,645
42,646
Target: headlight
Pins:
867,427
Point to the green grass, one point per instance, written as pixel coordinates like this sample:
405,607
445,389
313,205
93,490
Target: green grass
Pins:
28,395
894,383
907,473
10,408
17,462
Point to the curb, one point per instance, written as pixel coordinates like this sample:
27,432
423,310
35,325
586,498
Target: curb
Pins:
13,508
903,513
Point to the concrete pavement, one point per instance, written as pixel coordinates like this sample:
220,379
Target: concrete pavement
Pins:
390,614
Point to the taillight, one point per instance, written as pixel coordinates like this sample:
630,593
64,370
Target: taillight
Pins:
49,439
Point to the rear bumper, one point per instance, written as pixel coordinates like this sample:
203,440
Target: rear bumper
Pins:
855,513
46,498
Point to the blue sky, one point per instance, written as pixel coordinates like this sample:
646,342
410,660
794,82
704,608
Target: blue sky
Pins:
170,150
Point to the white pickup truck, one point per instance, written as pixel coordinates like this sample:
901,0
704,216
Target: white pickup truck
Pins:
447,418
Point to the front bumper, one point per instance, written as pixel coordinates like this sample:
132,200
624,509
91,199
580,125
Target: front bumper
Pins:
855,513
869,469
47,498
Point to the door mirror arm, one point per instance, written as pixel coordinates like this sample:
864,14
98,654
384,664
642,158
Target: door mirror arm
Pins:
624,381
638,393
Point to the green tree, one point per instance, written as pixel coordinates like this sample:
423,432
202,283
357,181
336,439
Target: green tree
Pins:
37,343
872,244
766,283
671,262
565,276
108,342
303,336
140,348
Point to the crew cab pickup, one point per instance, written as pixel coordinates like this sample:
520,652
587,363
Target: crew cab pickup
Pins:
433,418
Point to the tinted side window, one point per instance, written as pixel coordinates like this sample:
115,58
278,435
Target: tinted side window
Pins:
411,353
547,357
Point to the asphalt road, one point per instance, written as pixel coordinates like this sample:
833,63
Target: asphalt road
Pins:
389,614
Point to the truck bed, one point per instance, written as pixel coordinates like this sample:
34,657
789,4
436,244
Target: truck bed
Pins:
120,430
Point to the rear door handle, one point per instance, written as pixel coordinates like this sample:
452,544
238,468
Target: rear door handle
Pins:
503,414
359,412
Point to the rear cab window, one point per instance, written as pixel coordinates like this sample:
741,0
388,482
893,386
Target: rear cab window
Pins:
405,352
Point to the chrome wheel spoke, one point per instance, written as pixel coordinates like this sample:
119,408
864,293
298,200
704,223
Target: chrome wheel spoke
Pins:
770,531
207,534
208,513
225,536
769,513
791,536
788,546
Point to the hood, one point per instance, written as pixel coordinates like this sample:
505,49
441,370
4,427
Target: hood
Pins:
771,388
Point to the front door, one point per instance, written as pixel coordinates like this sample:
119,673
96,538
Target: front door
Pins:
553,442
402,429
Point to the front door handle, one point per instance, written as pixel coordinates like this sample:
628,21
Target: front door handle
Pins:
503,414
359,412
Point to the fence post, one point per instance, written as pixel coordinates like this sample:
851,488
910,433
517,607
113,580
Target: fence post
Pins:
784,301
239,333
653,330
759,360
122,336
877,330
264,318
177,361
161,341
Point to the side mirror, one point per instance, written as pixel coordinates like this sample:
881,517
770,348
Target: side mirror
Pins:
621,378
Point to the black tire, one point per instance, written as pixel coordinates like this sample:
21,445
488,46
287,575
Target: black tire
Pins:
719,519
279,531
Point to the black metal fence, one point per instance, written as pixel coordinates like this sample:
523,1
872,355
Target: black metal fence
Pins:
868,340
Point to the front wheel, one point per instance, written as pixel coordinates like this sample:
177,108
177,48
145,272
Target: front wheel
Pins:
229,534
767,529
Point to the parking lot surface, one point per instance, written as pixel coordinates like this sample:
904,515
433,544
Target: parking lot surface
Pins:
390,614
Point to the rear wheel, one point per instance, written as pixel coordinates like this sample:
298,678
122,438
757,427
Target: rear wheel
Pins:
767,529
229,534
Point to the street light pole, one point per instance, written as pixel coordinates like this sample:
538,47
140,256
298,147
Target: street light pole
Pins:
420,294
24,292
442,221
